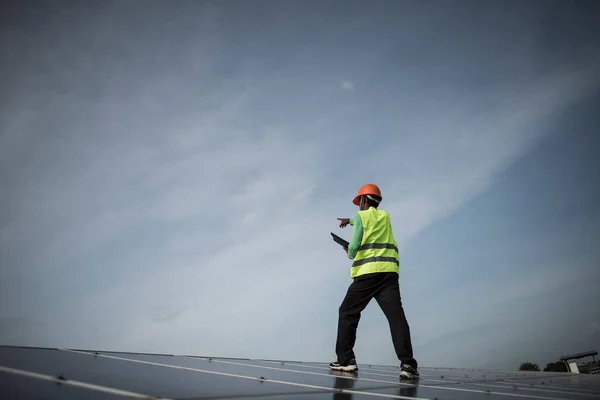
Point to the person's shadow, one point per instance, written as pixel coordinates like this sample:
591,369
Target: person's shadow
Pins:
343,380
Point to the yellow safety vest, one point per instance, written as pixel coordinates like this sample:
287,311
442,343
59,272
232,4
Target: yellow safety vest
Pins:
378,251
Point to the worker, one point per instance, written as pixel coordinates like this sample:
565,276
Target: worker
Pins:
375,273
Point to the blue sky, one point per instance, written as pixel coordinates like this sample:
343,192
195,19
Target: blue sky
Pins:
171,174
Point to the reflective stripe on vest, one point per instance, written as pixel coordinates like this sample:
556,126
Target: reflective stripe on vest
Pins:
378,251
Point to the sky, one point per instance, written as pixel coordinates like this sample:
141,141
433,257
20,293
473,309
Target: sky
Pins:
171,172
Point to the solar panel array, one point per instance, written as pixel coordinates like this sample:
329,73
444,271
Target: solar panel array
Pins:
42,373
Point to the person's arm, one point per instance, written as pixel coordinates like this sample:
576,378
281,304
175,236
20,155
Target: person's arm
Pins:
357,235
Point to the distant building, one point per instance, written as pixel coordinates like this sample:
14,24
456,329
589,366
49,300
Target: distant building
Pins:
589,367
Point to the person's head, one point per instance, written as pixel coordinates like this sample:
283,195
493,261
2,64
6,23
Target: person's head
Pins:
368,196
368,200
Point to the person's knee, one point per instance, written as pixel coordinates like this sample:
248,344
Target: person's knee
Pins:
344,313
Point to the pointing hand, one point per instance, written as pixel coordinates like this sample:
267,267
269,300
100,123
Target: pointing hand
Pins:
344,222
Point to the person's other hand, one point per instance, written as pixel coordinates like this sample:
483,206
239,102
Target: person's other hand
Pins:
344,222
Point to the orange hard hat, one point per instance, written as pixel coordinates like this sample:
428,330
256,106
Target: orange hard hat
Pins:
369,188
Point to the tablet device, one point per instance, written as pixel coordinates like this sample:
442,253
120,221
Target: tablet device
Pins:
339,240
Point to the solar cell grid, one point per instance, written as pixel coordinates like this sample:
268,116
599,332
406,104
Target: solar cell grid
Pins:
15,386
129,375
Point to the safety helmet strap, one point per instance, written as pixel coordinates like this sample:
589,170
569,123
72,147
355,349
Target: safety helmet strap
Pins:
372,198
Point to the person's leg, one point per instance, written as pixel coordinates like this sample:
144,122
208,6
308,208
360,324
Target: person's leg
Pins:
358,296
391,304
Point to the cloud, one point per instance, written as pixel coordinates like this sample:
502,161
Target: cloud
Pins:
464,149
347,85
248,218
165,315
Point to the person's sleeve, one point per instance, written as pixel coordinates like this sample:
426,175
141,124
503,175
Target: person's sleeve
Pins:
357,234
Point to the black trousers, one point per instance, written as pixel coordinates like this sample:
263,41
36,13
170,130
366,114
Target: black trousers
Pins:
384,287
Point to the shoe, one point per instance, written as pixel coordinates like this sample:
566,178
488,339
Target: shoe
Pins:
350,366
408,372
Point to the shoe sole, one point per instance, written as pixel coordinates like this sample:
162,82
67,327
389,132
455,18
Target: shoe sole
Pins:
349,368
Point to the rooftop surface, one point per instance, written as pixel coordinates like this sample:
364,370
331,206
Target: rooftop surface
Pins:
43,373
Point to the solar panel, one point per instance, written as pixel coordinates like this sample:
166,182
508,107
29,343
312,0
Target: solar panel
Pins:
27,372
